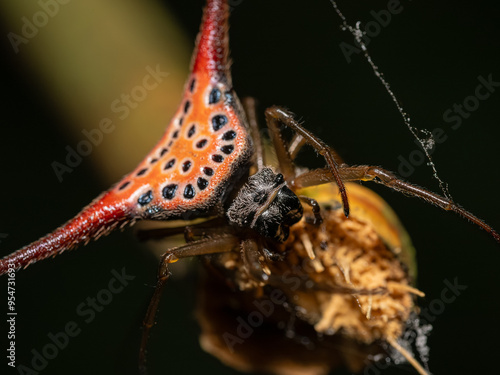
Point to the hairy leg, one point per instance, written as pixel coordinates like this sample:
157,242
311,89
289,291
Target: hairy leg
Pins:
249,105
214,245
276,116
389,179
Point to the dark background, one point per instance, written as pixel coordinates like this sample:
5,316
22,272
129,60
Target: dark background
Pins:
285,53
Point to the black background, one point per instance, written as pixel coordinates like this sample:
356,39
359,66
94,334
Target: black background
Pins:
285,53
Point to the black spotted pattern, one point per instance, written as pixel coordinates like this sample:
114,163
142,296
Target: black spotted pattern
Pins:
201,143
229,135
186,165
227,149
186,106
217,158
145,198
189,192
229,98
142,171
214,96
202,183
191,85
208,171
169,164
218,121
191,131
163,152
169,191
124,185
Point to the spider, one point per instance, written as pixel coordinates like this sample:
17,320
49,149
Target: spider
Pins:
278,229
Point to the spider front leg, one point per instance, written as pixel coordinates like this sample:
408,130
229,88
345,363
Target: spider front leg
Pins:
389,179
315,209
249,106
219,244
276,116
250,253
161,233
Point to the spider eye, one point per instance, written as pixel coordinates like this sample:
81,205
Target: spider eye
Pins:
279,179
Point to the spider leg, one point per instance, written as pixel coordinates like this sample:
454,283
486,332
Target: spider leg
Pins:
161,233
286,166
250,255
249,105
276,116
189,234
296,145
314,178
389,179
214,245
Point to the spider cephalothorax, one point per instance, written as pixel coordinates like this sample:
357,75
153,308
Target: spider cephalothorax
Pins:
266,205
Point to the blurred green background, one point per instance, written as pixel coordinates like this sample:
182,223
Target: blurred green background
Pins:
285,53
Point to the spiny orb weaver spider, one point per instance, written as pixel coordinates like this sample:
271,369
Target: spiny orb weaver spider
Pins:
278,229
